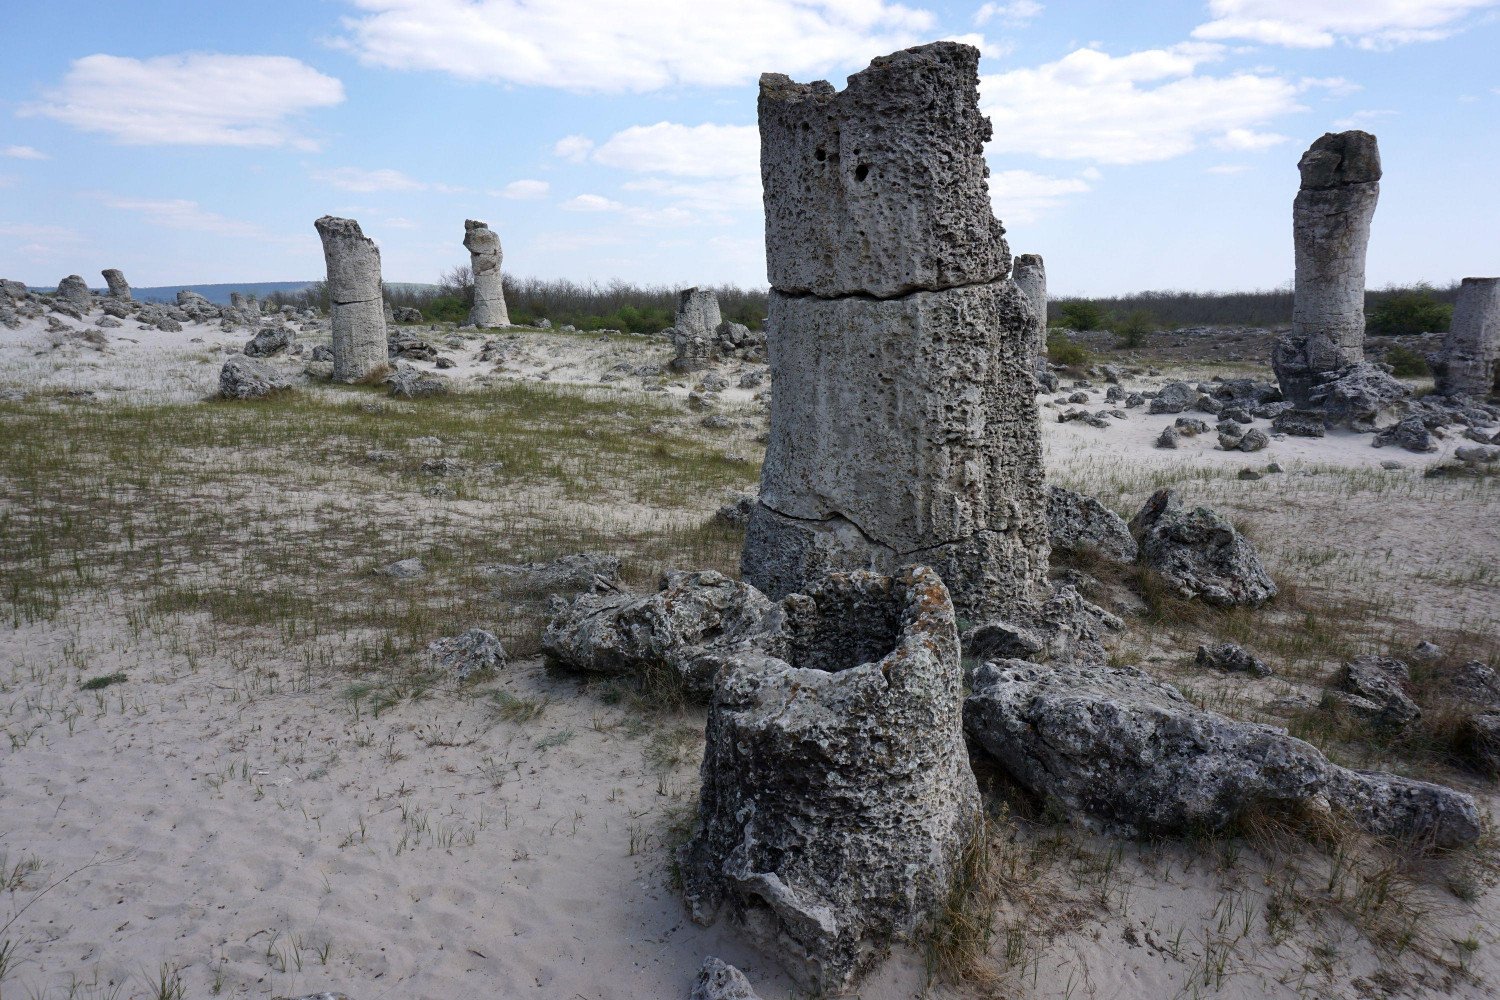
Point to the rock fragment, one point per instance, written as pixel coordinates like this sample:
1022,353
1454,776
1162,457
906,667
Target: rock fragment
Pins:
1200,553
246,378
718,980
475,651
1233,658
1081,524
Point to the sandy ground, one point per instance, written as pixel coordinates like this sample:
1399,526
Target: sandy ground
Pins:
241,819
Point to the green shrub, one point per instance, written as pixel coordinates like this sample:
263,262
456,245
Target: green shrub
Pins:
1062,351
1133,330
1406,362
445,309
1080,315
1410,312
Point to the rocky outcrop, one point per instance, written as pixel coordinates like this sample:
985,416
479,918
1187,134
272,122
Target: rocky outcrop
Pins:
409,382
1065,627
246,378
475,651
1357,396
701,338
270,341
837,795
718,980
1331,231
1200,553
688,627
902,428
1112,745
1469,364
1082,525
358,320
1374,687
1411,434
74,291
119,288
485,257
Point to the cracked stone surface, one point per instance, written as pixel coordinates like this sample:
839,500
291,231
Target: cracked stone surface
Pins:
485,257
358,320
837,794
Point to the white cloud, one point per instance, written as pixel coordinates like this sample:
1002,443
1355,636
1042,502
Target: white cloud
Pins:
684,150
1022,196
1244,139
1016,14
1228,168
355,179
525,190
605,45
180,213
24,153
573,148
591,203
1316,24
1137,108
1363,119
194,99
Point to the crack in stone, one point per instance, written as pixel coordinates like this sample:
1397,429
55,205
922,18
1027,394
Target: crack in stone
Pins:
872,297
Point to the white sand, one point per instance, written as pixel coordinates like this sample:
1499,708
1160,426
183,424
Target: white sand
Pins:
233,812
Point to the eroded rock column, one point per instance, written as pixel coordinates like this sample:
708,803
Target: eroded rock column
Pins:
119,288
1030,276
358,320
1470,361
485,257
73,289
837,794
1331,231
903,424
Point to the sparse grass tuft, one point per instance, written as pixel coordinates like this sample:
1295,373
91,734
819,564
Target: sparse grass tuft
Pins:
103,681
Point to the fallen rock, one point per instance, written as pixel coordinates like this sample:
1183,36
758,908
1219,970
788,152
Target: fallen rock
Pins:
1231,657
1174,397
1255,439
1373,687
1200,553
718,980
581,571
690,626
246,378
737,513
1081,524
1065,627
408,382
1168,438
465,655
1410,434
1391,806
403,569
271,341
837,795
1299,423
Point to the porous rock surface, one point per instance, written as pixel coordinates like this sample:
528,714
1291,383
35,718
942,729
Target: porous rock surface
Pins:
591,571
1113,745
837,794
246,378
1030,276
689,626
1331,232
880,189
1469,364
1233,658
718,980
358,320
1081,524
270,341
485,258
119,288
75,291
473,652
1200,553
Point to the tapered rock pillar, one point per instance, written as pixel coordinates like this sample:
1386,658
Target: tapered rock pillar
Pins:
485,257
1331,232
119,288
903,423
358,320
1469,364
1030,275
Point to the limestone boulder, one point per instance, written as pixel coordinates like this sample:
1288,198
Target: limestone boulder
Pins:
246,378
1410,434
1231,657
1081,524
1200,553
474,652
718,980
595,572
837,796
270,341
1392,806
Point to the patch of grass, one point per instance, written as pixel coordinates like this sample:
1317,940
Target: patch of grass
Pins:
959,942
508,707
103,681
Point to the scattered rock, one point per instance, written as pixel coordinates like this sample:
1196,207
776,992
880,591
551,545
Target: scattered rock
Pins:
718,980
444,467
270,342
246,378
1255,439
1373,687
1390,806
476,651
1410,434
408,382
1081,524
583,571
403,569
1174,397
1233,658
1200,553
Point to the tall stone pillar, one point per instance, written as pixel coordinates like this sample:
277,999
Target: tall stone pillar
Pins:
1470,361
119,288
484,259
358,320
1030,275
903,423
1331,232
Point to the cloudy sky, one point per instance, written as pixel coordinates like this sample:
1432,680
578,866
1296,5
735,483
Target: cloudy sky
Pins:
1137,144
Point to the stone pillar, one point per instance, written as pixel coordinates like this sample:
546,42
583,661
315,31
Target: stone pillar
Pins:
1470,361
485,257
358,321
1331,232
119,288
73,289
694,330
837,794
1030,275
903,424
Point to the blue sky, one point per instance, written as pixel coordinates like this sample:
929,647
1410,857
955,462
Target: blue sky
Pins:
1137,145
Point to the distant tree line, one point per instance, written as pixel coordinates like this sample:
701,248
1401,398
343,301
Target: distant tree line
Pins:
617,305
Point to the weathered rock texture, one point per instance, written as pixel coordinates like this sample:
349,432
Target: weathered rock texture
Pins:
1030,275
246,378
1114,745
1470,362
74,290
358,321
1331,231
902,429
837,794
1082,525
119,288
718,980
485,257
697,313
1200,553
